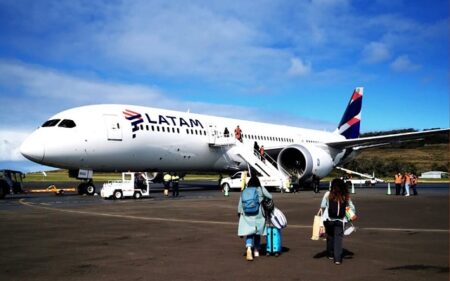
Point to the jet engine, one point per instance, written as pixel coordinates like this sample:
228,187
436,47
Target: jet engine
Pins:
304,161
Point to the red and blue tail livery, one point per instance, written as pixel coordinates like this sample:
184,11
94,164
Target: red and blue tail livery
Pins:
351,120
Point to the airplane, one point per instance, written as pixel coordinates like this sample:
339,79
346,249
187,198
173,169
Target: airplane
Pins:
116,137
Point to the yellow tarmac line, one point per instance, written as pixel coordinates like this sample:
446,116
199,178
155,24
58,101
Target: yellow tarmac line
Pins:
297,226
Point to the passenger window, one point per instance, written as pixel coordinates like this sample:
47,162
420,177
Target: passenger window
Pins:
66,123
51,123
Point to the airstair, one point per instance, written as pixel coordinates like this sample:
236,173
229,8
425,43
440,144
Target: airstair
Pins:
266,166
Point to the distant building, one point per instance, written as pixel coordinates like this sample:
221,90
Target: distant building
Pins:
434,175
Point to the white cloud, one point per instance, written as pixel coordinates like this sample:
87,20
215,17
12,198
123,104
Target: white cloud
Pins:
10,141
299,68
404,64
31,93
375,52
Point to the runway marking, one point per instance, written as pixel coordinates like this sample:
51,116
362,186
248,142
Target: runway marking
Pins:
297,226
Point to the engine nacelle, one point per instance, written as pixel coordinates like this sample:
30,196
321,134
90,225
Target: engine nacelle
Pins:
304,161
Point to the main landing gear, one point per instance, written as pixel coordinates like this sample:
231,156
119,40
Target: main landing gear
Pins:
86,187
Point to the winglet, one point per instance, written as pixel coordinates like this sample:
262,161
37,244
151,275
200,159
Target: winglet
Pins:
350,122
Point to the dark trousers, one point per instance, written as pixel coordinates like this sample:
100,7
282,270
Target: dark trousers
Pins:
398,187
413,187
175,189
335,233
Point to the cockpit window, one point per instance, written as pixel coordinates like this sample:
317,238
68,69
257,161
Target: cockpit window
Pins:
66,123
50,123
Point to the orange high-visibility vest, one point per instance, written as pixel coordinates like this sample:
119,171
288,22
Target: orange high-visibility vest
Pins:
398,179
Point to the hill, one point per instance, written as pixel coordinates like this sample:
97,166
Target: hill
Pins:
430,153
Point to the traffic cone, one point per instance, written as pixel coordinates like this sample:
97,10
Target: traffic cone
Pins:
389,189
353,188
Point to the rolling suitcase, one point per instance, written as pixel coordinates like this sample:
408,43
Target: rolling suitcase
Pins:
273,241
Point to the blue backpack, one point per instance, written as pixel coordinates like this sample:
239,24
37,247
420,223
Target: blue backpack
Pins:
250,201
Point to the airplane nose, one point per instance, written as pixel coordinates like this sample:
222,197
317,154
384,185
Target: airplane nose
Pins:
32,149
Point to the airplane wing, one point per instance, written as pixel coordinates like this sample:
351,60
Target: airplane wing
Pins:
367,142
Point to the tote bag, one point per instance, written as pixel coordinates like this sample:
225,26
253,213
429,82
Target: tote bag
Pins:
318,229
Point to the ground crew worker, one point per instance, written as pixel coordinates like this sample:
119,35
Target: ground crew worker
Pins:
243,180
414,183
398,183
238,133
175,182
167,180
316,183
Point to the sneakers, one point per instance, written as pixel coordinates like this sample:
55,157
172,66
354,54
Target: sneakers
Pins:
337,262
256,253
249,256
407,195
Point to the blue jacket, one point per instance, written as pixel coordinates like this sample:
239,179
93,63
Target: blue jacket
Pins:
253,224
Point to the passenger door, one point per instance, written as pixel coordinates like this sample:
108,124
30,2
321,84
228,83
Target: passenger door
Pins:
113,128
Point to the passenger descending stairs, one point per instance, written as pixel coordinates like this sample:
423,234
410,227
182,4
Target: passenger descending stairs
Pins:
272,176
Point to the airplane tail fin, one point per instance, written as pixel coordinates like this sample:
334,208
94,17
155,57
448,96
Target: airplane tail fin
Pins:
350,122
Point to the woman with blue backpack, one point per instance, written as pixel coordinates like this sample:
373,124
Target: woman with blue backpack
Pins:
252,223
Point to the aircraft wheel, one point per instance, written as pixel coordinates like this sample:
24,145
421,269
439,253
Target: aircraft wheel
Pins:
118,194
81,188
90,189
137,195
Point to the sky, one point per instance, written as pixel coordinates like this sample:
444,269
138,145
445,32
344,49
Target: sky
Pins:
286,62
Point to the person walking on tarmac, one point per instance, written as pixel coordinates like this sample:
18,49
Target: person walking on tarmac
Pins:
334,203
407,182
238,133
252,223
398,183
175,187
167,181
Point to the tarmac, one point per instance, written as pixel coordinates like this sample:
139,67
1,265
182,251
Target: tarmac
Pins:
194,237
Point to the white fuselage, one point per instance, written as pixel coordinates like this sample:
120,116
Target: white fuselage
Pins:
152,139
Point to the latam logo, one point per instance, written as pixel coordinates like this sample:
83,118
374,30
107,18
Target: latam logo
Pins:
137,121
135,118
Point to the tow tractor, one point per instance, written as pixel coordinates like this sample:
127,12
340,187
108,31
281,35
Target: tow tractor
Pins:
132,185
10,182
